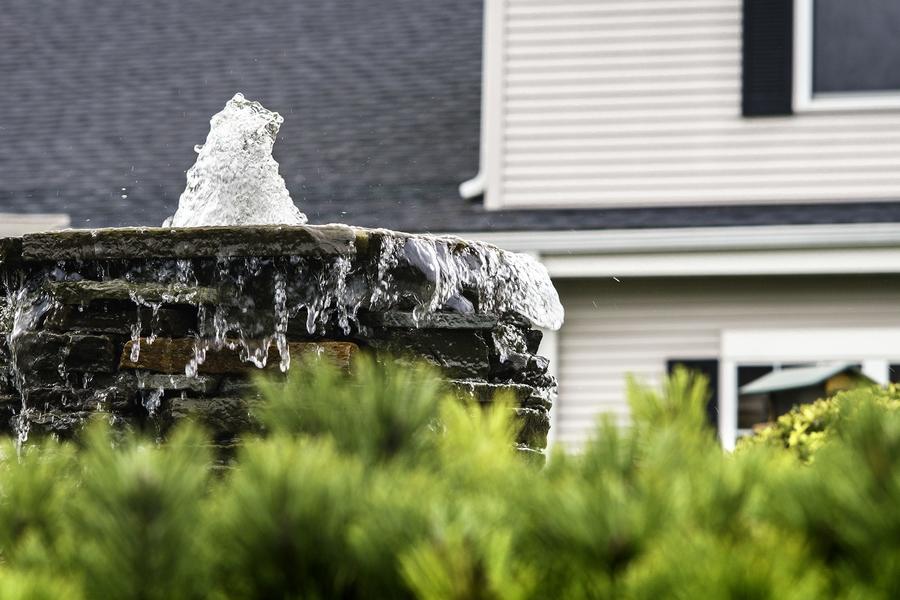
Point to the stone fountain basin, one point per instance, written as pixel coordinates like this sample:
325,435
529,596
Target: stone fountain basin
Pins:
113,320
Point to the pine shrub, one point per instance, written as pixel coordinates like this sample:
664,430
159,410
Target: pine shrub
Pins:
376,484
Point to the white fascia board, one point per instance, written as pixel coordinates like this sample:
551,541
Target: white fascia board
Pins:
697,251
684,239
724,263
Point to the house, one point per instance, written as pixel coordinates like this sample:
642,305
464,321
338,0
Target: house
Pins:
709,182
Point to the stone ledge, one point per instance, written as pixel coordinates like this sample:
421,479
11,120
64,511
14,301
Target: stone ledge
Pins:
168,355
190,242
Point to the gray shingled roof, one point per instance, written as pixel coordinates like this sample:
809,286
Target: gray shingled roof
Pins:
381,103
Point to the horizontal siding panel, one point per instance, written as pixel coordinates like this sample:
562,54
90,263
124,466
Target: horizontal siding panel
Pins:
737,154
670,34
887,125
621,104
560,105
576,75
691,197
674,141
542,8
793,168
588,115
622,62
700,181
600,22
630,48
610,89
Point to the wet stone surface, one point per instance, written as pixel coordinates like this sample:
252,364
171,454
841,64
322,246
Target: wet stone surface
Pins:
144,327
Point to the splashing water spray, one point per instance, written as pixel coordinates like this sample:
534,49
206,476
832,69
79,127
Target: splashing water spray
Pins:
235,180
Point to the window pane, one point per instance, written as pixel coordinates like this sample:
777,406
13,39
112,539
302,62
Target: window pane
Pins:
856,45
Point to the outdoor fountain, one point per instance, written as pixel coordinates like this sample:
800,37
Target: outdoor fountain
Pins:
153,324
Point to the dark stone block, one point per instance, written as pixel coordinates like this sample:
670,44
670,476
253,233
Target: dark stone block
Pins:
10,252
460,354
222,416
171,355
486,393
92,353
45,351
538,364
86,291
118,317
240,387
44,398
534,427
533,338
509,369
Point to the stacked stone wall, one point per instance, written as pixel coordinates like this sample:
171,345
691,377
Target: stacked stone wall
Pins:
112,322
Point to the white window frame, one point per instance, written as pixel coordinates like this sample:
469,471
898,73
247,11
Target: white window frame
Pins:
874,348
804,100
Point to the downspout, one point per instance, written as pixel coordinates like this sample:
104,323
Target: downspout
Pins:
472,188
477,186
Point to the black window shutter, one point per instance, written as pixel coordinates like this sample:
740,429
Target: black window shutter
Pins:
709,368
768,57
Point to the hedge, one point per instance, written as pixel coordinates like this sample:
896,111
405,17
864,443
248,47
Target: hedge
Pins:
375,485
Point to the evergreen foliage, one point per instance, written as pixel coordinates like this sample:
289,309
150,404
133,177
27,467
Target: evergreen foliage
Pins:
375,484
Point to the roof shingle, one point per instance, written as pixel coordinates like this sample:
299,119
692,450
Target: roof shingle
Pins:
104,102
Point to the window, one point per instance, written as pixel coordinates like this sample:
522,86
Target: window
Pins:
846,54
872,348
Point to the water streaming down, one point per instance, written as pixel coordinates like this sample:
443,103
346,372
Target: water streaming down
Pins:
249,303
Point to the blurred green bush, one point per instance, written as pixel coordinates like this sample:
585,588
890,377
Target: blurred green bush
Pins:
376,485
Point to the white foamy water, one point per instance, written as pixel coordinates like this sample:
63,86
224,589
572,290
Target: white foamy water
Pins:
235,180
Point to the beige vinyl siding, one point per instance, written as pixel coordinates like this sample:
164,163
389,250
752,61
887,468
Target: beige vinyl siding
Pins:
634,326
637,102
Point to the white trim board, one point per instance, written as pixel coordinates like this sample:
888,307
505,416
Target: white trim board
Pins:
693,264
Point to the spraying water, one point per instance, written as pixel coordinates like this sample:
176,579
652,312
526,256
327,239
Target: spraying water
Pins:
235,180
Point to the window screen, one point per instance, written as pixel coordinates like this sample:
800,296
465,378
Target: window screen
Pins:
856,46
